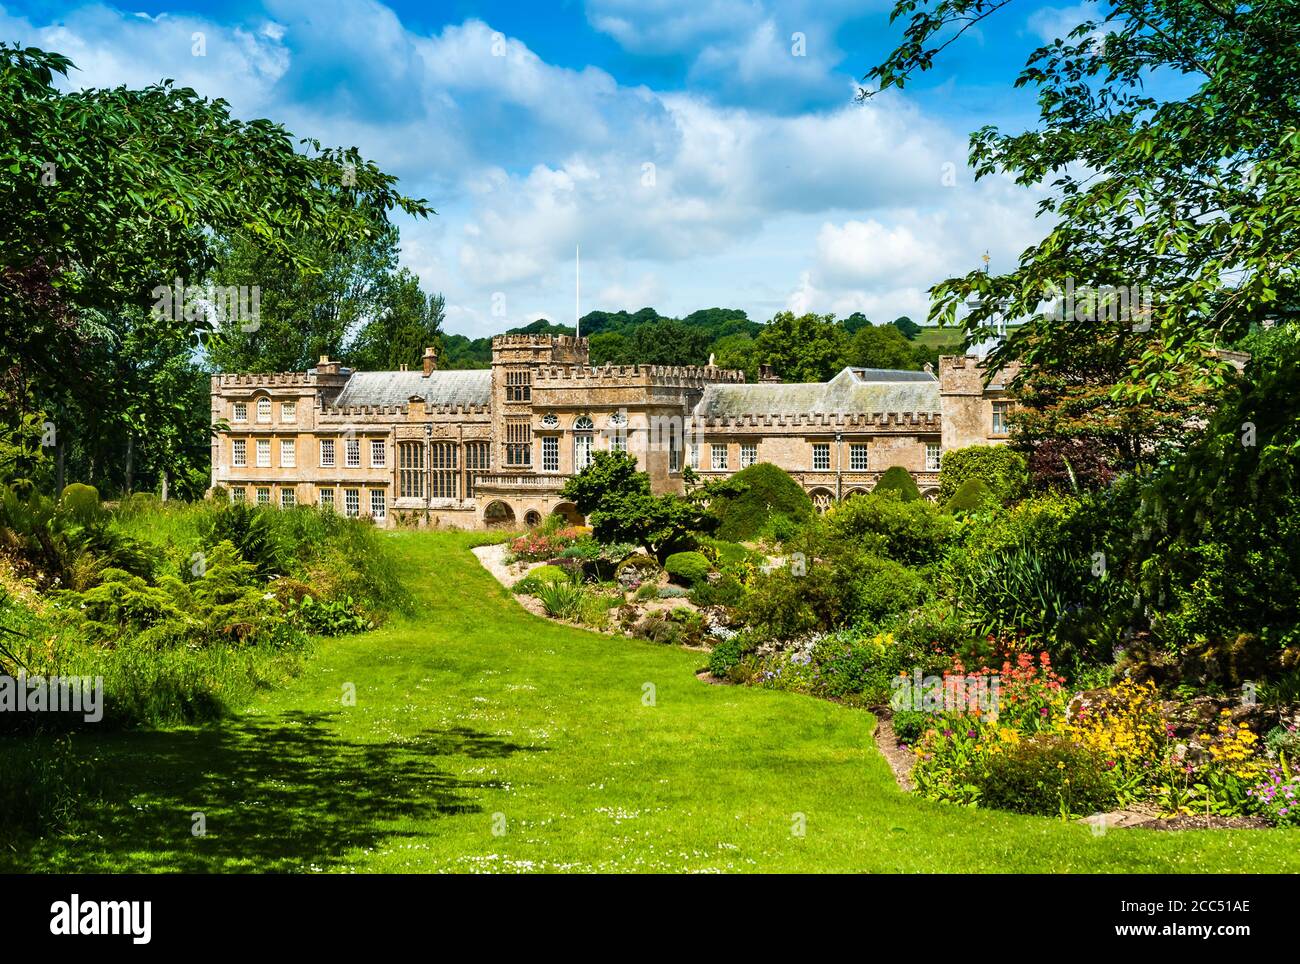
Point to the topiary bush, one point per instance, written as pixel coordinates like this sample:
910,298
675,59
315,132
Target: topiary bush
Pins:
532,583
80,502
762,491
687,568
971,496
897,479
1003,469
914,533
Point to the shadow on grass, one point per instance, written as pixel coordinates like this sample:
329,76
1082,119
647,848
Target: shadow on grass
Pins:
283,794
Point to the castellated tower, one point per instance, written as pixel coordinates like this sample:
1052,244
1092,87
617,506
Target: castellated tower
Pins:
515,361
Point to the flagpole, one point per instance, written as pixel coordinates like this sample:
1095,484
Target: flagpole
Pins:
577,290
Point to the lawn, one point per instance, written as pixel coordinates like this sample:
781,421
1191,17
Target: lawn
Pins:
485,739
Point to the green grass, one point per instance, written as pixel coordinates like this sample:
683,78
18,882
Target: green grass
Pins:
473,716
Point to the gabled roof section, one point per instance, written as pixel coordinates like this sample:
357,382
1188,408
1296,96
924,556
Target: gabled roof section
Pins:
375,389
853,391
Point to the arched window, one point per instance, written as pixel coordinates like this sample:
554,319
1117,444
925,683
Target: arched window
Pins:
264,409
582,434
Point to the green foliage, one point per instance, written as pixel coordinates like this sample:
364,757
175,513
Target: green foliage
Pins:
1128,206
151,184
806,348
882,346
51,545
914,533
334,617
688,568
44,782
1001,468
971,496
1046,570
1046,775
407,322
562,600
727,591
81,503
254,532
898,479
609,475
541,576
1219,526
826,584
761,491
726,655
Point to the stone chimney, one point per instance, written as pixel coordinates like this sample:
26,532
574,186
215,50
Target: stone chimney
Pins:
327,367
765,374
430,359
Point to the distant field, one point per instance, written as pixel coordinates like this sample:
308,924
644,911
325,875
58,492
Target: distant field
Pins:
933,336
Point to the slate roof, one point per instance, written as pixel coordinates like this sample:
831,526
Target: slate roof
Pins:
469,387
852,391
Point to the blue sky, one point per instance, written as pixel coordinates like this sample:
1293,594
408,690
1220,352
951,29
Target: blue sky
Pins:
700,153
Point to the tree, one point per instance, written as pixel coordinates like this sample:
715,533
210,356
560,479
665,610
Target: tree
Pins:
807,348
737,352
107,198
607,474
855,322
609,348
307,312
898,479
881,347
616,497
907,326
668,342
408,322
1169,215
758,492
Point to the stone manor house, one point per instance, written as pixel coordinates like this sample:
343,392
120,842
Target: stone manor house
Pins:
492,447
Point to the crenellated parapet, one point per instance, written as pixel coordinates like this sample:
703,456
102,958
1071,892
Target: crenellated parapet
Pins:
824,421
648,376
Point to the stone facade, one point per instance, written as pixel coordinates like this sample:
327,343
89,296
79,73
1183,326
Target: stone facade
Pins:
493,447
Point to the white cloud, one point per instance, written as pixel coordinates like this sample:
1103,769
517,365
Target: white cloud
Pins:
678,201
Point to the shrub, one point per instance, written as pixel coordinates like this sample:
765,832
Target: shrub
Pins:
898,479
763,491
910,725
727,590
672,592
336,617
1277,797
1001,468
254,533
1070,465
541,576
658,628
80,502
726,655
688,568
971,496
1046,775
863,664
914,533
562,600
